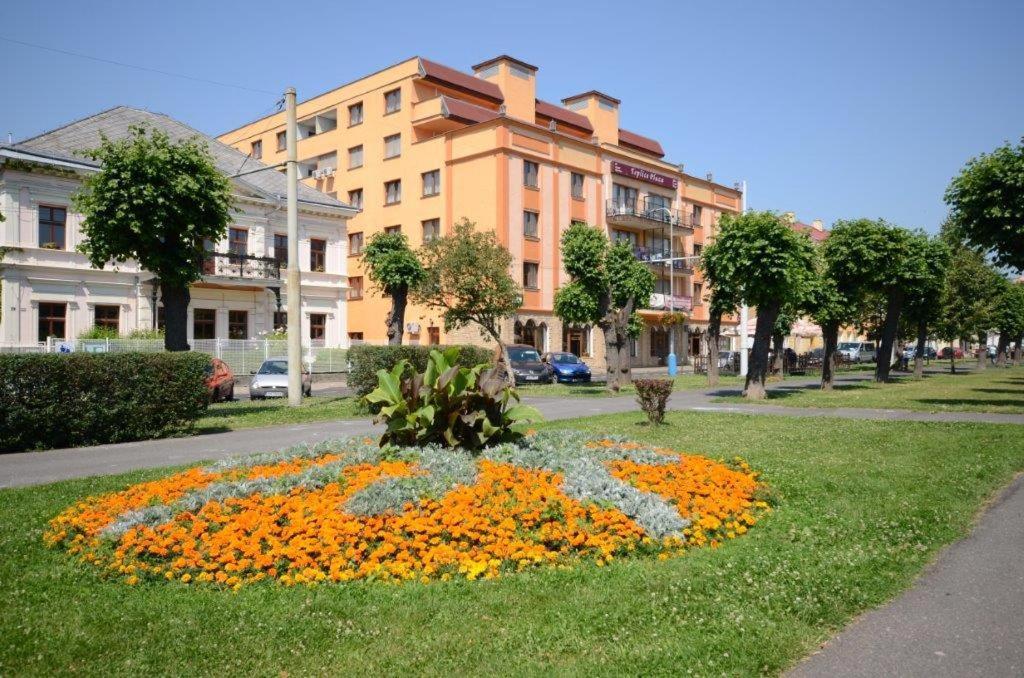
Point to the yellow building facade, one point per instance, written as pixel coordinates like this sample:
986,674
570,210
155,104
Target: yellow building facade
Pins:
419,146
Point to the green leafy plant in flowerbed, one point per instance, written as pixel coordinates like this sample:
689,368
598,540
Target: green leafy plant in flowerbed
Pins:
448,404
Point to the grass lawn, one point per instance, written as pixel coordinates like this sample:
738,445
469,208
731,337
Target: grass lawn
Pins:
249,414
597,389
989,390
862,507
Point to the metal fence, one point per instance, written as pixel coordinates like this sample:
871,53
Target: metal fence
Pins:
242,355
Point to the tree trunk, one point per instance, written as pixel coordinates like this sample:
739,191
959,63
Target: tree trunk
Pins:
396,316
828,364
778,356
883,359
175,300
611,356
1004,341
757,371
952,359
982,350
922,339
1017,351
714,330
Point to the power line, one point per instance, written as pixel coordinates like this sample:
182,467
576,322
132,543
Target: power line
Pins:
140,68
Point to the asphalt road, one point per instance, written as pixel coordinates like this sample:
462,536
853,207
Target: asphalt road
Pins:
964,616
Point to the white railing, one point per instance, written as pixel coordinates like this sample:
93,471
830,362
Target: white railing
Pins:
242,355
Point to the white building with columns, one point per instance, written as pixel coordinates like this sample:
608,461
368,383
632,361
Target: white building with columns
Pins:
49,289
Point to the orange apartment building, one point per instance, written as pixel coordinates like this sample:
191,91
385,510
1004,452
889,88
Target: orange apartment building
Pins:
418,146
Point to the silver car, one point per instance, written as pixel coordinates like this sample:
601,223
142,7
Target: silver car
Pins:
271,380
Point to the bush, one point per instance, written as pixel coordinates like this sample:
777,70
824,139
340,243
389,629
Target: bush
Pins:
146,334
99,332
53,400
448,405
367,360
653,394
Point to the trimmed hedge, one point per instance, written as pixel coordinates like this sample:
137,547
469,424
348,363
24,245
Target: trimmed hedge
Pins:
53,400
366,360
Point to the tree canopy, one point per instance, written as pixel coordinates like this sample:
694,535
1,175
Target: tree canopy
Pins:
987,204
394,268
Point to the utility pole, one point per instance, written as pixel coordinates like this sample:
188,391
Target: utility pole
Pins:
744,309
293,285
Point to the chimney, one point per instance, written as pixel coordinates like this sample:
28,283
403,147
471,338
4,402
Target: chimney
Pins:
789,217
517,81
601,110
817,225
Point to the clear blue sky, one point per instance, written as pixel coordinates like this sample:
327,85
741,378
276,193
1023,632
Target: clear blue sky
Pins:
830,110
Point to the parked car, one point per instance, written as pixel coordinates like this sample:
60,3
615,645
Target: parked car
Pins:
271,380
858,351
911,351
726,359
220,381
567,367
526,365
946,351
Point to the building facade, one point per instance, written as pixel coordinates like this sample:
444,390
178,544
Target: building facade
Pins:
419,146
49,290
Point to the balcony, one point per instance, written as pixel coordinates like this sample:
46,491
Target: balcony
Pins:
669,302
646,215
245,268
661,258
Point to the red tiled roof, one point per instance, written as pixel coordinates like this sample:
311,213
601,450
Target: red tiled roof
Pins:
640,142
816,235
506,57
467,112
591,92
450,77
555,112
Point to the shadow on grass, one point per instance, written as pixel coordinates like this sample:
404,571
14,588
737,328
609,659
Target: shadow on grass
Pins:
974,402
1012,391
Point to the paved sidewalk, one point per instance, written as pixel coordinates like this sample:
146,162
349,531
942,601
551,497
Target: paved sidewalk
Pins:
33,468
964,617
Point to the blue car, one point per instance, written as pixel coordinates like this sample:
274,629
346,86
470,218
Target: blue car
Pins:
567,367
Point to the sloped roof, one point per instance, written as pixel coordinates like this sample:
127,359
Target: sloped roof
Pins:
817,235
464,82
640,142
467,112
72,140
564,115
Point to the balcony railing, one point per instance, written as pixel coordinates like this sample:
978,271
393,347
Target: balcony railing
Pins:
661,302
247,266
646,214
661,257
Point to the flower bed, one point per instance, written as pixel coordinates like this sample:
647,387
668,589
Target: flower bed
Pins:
349,509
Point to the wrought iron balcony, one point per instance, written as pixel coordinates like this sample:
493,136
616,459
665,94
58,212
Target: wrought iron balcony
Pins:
662,257
646,214
241,266
667,302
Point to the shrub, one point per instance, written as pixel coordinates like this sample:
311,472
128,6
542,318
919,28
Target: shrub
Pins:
54,400
449,405
146,334
653,394
368,360
99,332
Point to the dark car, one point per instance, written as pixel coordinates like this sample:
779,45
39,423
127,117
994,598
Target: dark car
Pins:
220,381
567,367
526,365
956,353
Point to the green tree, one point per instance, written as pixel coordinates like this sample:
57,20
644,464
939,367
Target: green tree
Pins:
966,300
723,301
466,277
987,204
766,264
922,306
395,269
608,285
155,201
832,308
784,321
1008,317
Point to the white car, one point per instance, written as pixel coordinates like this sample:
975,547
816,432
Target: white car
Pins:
271,380
858,351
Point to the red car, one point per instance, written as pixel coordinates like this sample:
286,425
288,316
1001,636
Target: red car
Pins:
957,353
220,381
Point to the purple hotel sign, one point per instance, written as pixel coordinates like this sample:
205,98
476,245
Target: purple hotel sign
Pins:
641,174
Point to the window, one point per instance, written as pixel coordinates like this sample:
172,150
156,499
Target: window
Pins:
393,229
317,255
433,336
531,274
355,285
282,141
531,171
257,149
431,182
355,114
52,320
576,340
238,324
392,101
697,249
281,321
106,315
392,192
392,146
355,198
281,248
576,184
530,219
52,227
431,229
204,323
698,294
317,325
238,241
355,243
355,336
698,212
355,157
624,197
